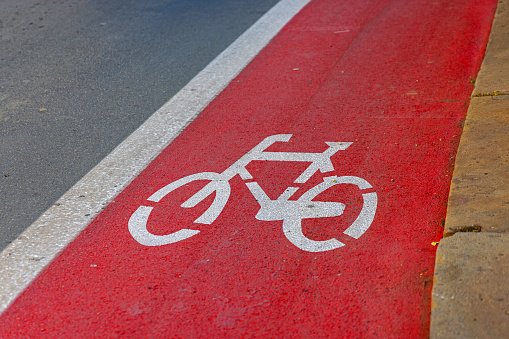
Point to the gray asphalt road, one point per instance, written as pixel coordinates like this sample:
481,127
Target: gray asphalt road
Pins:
78,76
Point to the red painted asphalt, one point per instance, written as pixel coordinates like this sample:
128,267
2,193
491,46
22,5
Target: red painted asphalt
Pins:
393,78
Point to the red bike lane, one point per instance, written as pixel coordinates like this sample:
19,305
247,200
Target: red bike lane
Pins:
388,84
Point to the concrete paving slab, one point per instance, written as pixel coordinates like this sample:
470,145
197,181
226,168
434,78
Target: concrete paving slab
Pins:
470,295
494,73
480,185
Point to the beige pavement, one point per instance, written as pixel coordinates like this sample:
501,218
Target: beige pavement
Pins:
471,285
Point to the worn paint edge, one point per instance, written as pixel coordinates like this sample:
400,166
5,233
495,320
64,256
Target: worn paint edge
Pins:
38,245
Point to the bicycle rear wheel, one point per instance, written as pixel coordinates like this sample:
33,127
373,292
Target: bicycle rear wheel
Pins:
138,221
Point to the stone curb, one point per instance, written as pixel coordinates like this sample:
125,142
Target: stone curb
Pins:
471,291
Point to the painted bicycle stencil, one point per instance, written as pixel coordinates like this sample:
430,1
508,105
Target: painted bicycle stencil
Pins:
291,212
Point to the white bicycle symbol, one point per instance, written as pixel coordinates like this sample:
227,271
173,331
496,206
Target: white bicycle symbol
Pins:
290,211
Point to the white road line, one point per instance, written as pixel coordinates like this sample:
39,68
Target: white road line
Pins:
35,248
